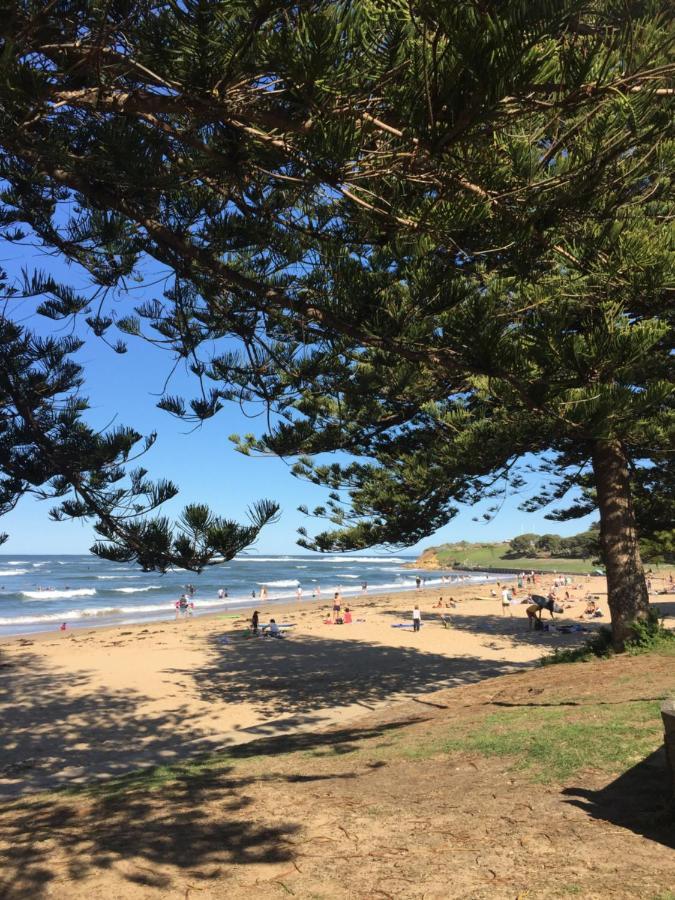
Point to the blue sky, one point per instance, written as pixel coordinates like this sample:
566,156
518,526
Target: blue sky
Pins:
125,389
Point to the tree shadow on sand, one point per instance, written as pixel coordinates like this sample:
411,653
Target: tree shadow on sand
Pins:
59,728
299,680
195,825
637,800
62,728
515,628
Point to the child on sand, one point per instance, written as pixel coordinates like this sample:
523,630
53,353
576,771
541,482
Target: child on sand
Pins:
417,618
274,630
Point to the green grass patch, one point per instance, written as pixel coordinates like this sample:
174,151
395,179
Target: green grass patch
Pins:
553,743
493,556
649,636
154,778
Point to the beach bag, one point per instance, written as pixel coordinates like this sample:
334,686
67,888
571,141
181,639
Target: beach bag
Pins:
339,622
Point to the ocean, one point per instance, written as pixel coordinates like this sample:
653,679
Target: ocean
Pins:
39,593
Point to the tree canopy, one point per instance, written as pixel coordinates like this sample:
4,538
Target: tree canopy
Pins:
439,233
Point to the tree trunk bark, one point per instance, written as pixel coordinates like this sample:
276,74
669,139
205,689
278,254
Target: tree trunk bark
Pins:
627,595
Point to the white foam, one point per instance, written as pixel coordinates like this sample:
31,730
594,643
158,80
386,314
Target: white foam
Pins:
290,582
4,573
259,559
362,559
137,590
64,616
57,595
116,577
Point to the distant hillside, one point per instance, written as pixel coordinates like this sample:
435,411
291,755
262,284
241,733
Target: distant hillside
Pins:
499,555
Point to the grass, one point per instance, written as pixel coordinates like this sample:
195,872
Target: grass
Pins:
547,743
153,778
649,636
553,743
492,556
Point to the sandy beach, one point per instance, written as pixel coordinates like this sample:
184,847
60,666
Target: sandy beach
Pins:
85,704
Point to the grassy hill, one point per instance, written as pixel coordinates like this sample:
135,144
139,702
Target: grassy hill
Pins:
494,556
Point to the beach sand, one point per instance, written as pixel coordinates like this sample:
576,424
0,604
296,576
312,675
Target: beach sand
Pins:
85,704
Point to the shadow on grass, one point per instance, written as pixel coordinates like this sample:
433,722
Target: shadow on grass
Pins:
637,800
199,821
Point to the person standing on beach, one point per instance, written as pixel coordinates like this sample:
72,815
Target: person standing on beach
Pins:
418,582
506,600
417,618
298,592
336,605
255,618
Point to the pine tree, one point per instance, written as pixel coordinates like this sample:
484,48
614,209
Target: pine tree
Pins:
438,231
48,451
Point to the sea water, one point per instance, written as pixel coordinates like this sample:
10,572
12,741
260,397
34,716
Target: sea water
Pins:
39,593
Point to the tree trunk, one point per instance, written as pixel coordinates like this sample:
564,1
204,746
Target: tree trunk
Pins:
627,595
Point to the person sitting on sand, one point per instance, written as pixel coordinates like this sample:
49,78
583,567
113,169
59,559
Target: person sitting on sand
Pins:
438,605
592,611
591,607
274,630
347,618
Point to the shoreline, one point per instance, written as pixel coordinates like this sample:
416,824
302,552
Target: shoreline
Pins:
229,607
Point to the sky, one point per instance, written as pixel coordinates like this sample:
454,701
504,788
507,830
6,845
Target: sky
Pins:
203,462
